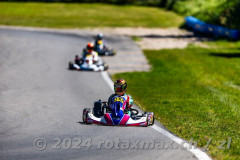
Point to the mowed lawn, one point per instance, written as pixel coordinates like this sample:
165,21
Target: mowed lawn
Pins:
81,15
195,93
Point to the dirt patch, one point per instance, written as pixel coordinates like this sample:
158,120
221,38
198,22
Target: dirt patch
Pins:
156,38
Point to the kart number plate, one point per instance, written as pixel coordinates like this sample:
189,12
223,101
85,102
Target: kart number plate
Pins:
118,99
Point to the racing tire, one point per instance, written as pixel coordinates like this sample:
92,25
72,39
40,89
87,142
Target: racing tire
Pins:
70,65
105,67
150,123
97,110
113,53
85,115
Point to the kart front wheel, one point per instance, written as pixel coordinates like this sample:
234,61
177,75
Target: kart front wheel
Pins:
150,118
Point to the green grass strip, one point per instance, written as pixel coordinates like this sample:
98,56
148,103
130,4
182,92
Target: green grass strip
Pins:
82,15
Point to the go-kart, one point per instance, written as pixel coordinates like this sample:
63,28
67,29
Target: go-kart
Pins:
88,64
105,51
101,47
116,115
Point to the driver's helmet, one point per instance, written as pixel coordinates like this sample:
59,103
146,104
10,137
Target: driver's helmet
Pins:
120,86
90,47
100,36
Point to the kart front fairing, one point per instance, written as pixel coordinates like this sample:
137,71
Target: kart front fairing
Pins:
108,119
103,49
89,65
92,67
117,115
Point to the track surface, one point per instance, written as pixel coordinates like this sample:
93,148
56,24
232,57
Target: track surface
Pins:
40,97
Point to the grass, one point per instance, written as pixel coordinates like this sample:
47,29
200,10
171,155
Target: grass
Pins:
195,93
82,15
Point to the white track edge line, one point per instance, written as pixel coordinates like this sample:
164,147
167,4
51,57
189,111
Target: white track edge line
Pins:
197,152
108,80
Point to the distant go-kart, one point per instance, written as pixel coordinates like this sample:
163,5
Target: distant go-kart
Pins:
103,50
88,64
116,115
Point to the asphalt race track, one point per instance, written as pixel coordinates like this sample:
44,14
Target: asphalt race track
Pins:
41,98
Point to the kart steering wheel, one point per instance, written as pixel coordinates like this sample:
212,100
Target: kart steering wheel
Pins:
134,112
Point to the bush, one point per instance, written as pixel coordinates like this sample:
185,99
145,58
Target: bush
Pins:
220,12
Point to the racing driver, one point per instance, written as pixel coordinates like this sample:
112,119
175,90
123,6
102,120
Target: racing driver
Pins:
89,51
120,87
99,41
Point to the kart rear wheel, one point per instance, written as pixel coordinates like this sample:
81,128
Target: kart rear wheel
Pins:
114,53
105,67
97,110
150,118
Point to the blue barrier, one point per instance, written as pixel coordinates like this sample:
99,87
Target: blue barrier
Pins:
210,29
